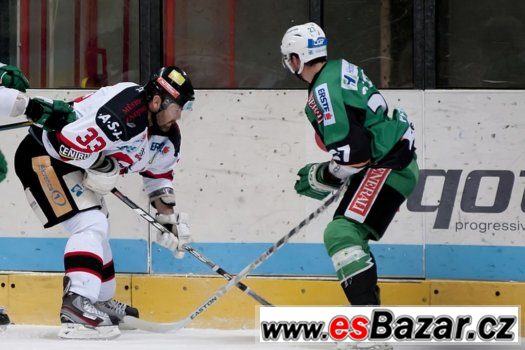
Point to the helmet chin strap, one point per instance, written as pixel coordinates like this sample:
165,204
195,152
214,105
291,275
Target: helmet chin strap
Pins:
301,67
299,71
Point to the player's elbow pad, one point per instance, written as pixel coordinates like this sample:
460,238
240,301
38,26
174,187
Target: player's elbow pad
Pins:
166,195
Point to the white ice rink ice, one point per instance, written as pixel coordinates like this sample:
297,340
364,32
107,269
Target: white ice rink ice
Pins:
18,337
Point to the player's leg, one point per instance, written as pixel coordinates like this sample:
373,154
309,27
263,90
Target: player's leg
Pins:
106,302
347,244
366,210
55,193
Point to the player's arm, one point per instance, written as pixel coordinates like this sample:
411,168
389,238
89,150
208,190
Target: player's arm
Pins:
46,113
160,191
158,184
347,139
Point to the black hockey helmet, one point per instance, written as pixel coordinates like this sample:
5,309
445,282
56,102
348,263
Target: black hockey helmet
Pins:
173,85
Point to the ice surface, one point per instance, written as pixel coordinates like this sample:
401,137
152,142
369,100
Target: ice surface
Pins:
18,337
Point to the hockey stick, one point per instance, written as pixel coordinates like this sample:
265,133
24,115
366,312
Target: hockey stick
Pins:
175,326
188,248
15,125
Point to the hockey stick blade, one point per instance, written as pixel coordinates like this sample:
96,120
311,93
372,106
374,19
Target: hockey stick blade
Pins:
175,326
216,268
151,326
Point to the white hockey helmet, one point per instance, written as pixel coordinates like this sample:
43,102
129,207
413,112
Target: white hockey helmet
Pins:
308,41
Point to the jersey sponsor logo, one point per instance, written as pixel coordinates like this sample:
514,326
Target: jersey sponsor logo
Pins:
134,115
323,96
315,109
156,146
128,108
138,156
349,76
127,148
51,185
110,125
69,153
366,194
133,110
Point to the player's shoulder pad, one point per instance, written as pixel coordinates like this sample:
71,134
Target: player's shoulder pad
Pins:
124,115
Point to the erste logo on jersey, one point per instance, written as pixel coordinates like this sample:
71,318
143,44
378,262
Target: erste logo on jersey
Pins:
323,96
110,126
349,76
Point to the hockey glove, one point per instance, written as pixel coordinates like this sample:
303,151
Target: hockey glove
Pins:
52,115
3,167
102,177
311,181
12,77
179,225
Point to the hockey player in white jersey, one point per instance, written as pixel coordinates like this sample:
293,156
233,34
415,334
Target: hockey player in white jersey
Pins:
75,157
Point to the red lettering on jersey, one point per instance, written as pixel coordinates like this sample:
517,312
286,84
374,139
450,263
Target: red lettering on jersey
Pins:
366,194
314,108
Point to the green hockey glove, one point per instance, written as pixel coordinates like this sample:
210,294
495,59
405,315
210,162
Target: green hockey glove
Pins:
311,181
12,77
52,115
3,167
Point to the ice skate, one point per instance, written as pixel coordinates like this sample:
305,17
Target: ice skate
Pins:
4,319
82,320
117,309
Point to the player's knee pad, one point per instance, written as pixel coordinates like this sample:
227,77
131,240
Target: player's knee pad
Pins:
92,222
348,248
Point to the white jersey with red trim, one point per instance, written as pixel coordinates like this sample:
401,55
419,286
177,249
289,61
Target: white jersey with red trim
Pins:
113,121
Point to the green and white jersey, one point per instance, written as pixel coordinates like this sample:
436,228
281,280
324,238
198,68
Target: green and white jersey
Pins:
350,116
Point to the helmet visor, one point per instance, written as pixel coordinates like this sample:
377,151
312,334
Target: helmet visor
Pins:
167,100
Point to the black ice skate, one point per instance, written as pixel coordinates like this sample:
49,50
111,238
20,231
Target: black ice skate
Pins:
4,319
82,320
117,309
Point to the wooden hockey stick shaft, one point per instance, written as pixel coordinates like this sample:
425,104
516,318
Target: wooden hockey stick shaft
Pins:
145,215
175,326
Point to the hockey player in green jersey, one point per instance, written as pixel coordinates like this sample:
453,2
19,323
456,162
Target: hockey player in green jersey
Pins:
370,148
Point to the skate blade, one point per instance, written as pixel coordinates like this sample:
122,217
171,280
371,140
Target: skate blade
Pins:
80,331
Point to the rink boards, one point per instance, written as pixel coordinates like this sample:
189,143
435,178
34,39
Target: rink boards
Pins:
240,152
35,298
